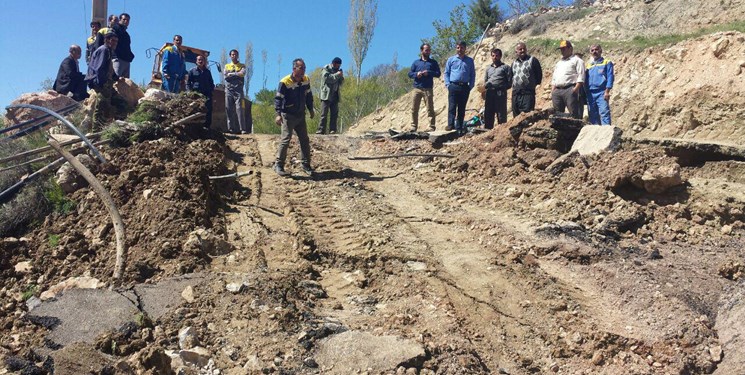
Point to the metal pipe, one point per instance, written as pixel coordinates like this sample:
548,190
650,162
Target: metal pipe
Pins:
64,121
108,201
33,120
7,193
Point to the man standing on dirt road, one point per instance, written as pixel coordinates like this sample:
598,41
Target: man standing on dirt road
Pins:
123,55
460,77
101,78
497,81
423,71
333,78
200,80
173,66
293,96
599,79
234,72
567,81
69,79
527,74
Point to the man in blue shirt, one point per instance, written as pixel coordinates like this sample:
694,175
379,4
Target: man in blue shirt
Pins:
460,77
423,70
599,78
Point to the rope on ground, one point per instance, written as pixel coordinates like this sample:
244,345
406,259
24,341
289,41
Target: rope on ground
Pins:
232,175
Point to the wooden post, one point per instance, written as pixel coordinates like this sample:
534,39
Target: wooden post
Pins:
108,201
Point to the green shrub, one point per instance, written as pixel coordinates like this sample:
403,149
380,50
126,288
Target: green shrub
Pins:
57,199
53,240
147,111
29,292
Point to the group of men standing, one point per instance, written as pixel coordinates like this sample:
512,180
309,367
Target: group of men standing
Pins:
108,54
573,82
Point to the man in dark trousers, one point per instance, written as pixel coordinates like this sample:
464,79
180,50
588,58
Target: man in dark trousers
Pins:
333,78
423,71
497,81
200,80
101,78
123,55
69,79
527,74
460,77
292,98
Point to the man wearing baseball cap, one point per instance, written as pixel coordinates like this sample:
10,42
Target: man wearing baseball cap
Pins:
567,81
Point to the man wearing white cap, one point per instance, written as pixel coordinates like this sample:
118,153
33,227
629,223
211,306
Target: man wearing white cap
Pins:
567,81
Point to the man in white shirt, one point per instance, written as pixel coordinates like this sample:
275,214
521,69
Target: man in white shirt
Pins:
567,81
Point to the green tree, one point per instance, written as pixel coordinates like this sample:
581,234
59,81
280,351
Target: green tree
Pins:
447,35
363,16
483,13
265,96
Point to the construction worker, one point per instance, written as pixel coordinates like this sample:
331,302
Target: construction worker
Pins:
333,78
173,66
90,43
497,81
599,77
292,98
101,78
69,79
200,80
234,73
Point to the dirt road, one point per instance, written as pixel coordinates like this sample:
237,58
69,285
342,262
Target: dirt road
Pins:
393,248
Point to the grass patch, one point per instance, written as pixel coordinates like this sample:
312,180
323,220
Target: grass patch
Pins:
29,292
53,240
147,111
639,43
57,199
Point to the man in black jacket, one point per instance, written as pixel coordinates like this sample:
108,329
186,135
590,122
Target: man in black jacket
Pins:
200,80
123,55
101,78
69,79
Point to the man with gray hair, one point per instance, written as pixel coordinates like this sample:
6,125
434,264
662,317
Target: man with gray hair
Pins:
526,75
69,78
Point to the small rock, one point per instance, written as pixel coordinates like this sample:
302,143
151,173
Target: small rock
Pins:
187,338
147,193
235,288
726,229
23,267
32,302
197,356
597,358
716,354
188,294
310,362
82,282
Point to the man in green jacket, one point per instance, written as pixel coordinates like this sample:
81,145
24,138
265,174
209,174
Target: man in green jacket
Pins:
332,77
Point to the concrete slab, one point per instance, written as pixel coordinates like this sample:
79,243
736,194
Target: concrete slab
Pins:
355,350
80,315
594,139
158,299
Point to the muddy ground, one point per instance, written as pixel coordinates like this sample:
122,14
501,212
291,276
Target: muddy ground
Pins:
487,262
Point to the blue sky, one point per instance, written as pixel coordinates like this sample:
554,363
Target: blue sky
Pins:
35,35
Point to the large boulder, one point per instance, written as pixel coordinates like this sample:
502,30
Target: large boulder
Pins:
47,99
658,179
594,139
69,179
128,90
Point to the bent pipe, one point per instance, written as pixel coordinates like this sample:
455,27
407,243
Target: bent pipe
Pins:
64,121
33,120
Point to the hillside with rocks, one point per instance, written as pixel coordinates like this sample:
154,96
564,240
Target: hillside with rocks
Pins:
692,89
543,246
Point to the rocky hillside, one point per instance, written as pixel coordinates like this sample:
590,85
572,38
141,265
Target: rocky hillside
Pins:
690,89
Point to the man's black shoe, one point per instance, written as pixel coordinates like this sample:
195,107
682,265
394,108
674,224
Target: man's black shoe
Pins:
308,170
280,170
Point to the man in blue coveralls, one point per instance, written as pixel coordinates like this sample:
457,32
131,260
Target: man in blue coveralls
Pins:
173,66
598,83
